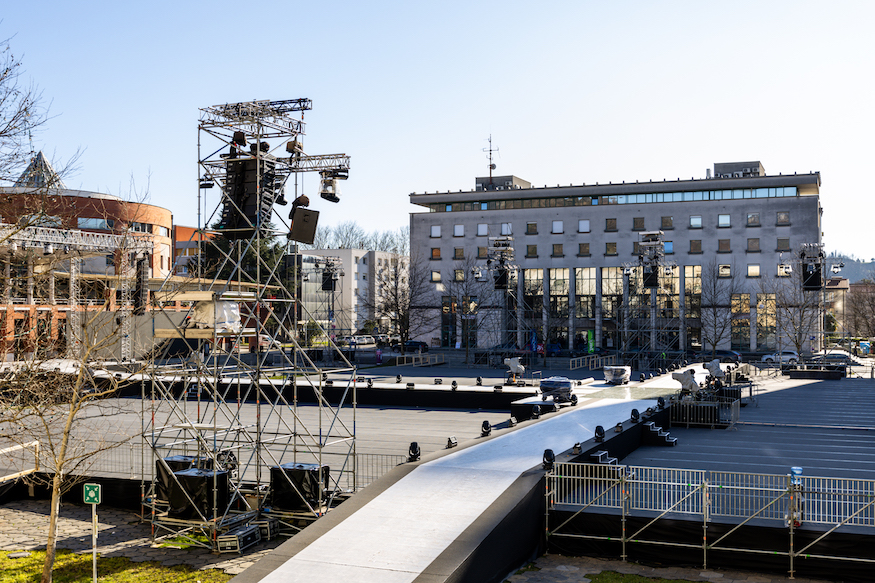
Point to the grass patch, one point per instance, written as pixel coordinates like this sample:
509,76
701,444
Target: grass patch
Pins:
185,542
73,568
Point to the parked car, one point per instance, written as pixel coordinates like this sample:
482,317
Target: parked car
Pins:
783,357
722,355
265,342
411,346
839,358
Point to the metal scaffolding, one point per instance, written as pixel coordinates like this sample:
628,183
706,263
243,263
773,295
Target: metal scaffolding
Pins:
245,427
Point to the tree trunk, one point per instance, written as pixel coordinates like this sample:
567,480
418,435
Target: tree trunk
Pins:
53,529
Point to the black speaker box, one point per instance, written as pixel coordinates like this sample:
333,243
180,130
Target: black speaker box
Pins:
199,485
305,477
175,463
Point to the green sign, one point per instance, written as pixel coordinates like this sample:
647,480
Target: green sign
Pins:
91,493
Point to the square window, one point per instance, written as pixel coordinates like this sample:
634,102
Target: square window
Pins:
723,246
506,228
753,219
695,221
610,224
435,276
783,218
481,253
610,248
583,249
459,253
638,224
724,271
583,226
482,230
459,274
695,245
448,208
558,227
435,231
753,270
531,250
784,270
723,221
531,228
783,243
667,222
557,250
435,252
458,230
753,245
669,247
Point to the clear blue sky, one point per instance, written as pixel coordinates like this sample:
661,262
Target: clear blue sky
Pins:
571,92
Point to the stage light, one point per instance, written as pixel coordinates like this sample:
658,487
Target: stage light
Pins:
48,250
324,376
410,386
485,429
479,381
627,271
599,433
370,383
536,412
239,139
498,388
205,183
549,459
455,385
636,416
329,189
573,400
577,449
265,147
512,422
413,452
618,428
439,381
398,379
294,147
452,442
660,402
360,379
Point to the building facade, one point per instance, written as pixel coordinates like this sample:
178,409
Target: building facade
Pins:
578,271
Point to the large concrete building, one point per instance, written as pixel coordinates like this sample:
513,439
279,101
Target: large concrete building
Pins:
575,244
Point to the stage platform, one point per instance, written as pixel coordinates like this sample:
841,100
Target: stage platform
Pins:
453,516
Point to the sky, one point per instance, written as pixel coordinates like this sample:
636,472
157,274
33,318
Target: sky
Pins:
571,92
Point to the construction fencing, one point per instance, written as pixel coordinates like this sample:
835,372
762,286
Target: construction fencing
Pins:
701,495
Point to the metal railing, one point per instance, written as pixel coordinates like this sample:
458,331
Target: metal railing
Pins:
419,359
699,495
592,361
17,457
718,412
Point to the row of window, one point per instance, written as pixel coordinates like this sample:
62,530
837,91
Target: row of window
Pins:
109,224
782,218
566,201
558,249
723,271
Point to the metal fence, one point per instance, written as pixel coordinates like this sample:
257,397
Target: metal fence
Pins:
719,412
700,495
592,361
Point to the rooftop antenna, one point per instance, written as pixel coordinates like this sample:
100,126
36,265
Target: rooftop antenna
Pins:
491,164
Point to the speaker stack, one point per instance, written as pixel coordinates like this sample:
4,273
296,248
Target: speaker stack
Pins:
311,481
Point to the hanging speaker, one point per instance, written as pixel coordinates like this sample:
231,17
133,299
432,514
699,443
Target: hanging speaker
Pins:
304,226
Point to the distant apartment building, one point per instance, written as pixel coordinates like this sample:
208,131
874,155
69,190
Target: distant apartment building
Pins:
576,248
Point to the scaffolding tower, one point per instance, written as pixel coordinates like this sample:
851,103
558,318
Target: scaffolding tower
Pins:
245,427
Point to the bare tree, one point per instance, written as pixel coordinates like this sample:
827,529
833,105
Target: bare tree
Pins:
470,304
798,313
719,284
404,295
860,309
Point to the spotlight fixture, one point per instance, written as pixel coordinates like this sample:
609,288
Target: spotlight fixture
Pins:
660,402
498,388
641,377
549,459
479,381
370,383
239,138
573,400
636,416
577,449
413,452
485,429
324,376
618,428
452,442
439,381
512,422
329,189
599,433
398,379
360,379
410,386
455,385
536,412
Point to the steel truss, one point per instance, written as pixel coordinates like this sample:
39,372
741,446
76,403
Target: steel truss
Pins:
652,321
228,396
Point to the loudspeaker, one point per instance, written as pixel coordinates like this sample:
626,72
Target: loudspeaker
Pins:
651,278
242,192
328,281
198,484
304,226
176,463
812,279
500,277
305,477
